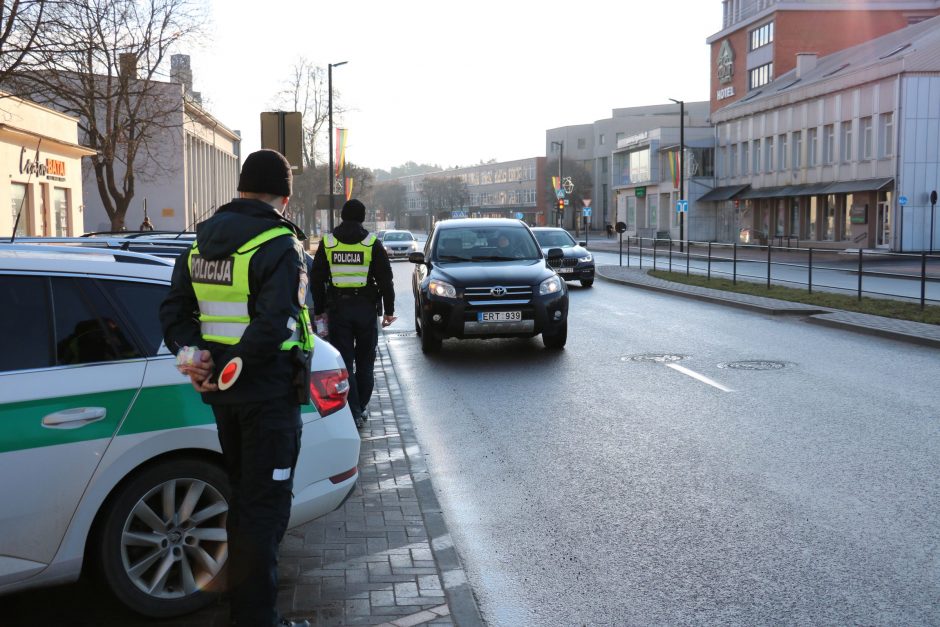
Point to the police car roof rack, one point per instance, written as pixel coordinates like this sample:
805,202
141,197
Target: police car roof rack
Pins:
120,256
160,247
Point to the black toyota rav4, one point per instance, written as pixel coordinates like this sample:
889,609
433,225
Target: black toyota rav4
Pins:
486,278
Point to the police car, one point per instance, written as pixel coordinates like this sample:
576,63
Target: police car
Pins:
107,454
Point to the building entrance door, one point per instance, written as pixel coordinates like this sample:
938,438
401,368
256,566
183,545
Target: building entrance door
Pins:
883,226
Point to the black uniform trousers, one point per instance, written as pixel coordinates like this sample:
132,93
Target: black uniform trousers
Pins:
260,443
354,333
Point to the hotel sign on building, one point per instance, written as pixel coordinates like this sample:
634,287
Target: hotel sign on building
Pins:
725,70
42,159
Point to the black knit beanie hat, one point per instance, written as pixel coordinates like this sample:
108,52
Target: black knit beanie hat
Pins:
266,172
353,210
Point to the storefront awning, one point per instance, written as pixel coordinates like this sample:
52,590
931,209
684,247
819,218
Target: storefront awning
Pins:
763,192
719,194
865,185
804,190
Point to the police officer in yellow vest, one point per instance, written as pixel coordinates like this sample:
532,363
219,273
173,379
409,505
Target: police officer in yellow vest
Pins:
350,278
238,298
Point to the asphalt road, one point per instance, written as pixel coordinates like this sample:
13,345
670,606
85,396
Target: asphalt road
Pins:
775,473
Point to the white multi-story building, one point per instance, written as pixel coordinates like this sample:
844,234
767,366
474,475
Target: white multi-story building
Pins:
197,170
841,151
594,146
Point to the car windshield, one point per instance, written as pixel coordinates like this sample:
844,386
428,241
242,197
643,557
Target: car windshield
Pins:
485,244
398,236
554,239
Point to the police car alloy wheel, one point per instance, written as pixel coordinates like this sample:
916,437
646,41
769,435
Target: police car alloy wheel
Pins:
163,545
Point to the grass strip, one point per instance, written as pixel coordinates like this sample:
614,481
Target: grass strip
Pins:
888,308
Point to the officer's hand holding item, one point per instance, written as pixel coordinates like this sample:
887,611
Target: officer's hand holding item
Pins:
198,366
236,312
352,272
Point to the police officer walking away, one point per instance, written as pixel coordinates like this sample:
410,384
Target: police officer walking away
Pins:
235,316
351,273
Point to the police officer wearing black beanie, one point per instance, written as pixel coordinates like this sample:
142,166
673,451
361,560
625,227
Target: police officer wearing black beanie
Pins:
244,364
350,277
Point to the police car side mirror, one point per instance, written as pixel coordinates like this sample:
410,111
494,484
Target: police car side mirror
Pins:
416,257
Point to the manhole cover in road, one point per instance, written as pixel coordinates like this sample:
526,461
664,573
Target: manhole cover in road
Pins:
756,364
656,357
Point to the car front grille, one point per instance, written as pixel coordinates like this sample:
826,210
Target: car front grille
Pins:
514,295
567,262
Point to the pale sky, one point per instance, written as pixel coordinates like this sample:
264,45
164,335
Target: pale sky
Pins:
454,83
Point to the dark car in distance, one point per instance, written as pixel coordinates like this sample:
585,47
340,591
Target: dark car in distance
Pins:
487,278
578,262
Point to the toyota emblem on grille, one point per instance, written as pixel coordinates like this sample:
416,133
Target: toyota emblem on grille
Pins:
499,290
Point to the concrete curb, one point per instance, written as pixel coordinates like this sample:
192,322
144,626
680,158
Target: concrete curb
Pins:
832,322
463,606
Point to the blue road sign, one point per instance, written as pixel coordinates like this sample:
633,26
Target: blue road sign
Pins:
902,200
587,212
682,206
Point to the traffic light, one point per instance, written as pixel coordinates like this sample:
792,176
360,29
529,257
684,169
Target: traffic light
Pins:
561,204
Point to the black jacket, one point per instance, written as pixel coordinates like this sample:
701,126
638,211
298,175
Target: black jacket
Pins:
380,276
276,276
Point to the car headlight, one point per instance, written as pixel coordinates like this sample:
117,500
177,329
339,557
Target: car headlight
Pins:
441,288
550,285
585,258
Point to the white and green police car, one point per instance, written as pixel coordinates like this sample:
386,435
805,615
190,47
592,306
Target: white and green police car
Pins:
107,454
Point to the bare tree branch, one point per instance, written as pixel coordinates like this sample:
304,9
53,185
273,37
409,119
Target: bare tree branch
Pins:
101,61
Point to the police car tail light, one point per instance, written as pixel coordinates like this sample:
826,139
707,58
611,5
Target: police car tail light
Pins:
328,389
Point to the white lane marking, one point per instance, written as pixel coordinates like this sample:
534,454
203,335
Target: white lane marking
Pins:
698,376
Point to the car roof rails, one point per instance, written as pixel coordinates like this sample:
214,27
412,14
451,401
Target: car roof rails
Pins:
140,234
119,255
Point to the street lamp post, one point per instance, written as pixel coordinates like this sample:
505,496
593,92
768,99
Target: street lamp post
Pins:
681,104
561,158
329,88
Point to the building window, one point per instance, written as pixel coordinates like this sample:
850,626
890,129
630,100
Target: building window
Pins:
886,135
733,165
796,161
600,139
782,152
829,143
865,147
745,157
60,207
581,143
762,35
829,218
768,154
761,75
755,145
811,147
846,142
20,208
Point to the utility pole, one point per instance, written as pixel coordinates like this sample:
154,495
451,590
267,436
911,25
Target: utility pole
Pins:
681,160
331,175
561,158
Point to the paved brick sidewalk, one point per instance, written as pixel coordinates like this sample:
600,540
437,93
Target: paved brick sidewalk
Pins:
905,330
385,557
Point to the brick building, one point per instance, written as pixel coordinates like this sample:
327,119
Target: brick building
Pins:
760,39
